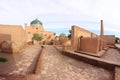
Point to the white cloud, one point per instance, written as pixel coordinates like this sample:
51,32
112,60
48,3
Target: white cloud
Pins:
62,13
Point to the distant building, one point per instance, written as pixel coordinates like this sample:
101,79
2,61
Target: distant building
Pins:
88,42
13,37
110,39
36,26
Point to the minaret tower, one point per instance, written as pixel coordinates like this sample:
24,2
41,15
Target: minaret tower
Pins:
102,29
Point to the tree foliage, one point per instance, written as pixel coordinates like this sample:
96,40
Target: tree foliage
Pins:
37,37
116,39
70,31
69,35
63,38
54,33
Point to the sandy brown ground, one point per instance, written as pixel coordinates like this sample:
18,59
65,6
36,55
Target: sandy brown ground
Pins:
56,66
20,63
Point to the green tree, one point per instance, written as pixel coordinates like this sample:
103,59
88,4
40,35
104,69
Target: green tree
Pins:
63,38
69,35
54,33
116,39
37,37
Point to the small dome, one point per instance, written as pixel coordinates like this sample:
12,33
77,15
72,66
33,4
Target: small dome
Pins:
36,22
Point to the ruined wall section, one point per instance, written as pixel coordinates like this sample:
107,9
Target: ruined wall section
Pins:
12,37
92,44
77,32
109,38
47,36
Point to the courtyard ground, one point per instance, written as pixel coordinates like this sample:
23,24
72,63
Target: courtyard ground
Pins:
56,66
20,63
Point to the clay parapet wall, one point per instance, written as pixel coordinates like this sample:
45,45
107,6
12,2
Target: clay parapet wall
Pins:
77,32
91,44
109,38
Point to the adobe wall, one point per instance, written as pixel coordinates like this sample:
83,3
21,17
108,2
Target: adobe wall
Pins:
109,38
30,30
4,37
76,33
34,28
117,73
89,44
13,35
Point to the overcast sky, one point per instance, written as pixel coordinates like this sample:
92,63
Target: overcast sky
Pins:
60,15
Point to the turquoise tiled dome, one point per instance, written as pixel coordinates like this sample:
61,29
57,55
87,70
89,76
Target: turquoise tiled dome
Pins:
36,22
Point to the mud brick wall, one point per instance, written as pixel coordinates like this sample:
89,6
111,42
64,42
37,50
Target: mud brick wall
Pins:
90,44
109,38
14,34
77,32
